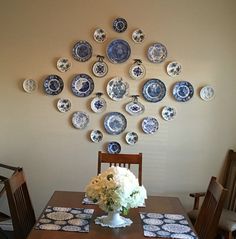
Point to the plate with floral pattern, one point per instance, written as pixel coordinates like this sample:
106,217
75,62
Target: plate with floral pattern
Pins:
183,91
99,35
80,120
63,64
98,104
137,71
96,136
157,53
138,36
29,85
82,85
100,68
134,107
154,90
131,138
120,24
63,105
82,51
173,69
53,85
150,125
113,147
168,113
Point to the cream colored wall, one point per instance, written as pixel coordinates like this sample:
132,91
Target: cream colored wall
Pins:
181,156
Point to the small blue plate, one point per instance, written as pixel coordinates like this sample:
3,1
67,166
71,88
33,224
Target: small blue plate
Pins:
113,148
183,91
53,85
120,24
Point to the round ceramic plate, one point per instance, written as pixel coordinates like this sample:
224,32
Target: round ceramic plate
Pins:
168,113
82,51
183,91
115,123
131,138
80,120
138,36
63,105
82,85
99,35
137,71
207,93
117,89
150,125
120,24
100,68
173,69
118,51
29,85
96,136
98,104
154,90
63,64
53,85
113,148
157,53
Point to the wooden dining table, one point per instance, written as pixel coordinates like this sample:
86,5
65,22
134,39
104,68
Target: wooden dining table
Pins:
158,204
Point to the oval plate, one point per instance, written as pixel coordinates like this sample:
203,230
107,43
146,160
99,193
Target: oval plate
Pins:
53,85
82,51
113,148
150,125
154,90
82,85
134,108
115,123
183,91
157,53
118,51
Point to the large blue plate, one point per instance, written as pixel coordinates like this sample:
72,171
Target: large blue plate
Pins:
183,91
118,51
53,85
154,90
115,123
82,51
82,85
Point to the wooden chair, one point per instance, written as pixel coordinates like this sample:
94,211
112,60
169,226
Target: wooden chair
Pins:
122,160
21,209
207,221
227,223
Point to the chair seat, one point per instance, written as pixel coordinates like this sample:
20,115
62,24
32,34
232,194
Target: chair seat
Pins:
227,220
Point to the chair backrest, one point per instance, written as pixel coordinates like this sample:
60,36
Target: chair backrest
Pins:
230,181
21,209
122,160
209,214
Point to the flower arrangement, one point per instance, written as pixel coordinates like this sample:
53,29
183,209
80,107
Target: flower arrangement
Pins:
116,189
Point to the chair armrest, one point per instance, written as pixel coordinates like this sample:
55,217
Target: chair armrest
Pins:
197,197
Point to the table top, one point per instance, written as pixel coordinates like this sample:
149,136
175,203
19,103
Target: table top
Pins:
156,204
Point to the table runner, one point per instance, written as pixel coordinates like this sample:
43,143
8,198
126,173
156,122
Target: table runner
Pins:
65,219
166,225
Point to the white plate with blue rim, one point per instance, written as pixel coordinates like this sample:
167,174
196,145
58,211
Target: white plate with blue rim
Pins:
82,51
183,91
113,147
150,125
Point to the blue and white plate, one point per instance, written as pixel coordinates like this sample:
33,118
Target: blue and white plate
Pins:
131,138
113,147
150,125
53,85
63,105
82,85
100,68
80,120
118,51
168,113
96,136
157,53
115,123
134,107
137,71
154,90
82,51
183,91
120,24
98,104
173,69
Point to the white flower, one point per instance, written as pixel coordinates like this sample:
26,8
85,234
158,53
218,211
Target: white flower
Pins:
116,189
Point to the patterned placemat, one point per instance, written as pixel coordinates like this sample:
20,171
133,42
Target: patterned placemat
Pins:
166,225
65,219
88,201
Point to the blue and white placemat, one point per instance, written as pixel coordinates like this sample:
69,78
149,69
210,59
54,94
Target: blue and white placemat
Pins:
166,225
88,201
65,219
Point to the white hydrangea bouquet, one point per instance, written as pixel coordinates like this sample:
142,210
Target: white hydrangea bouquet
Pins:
116,190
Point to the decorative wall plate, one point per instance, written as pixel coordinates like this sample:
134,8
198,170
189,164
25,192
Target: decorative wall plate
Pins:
183,91
157,53
207,93
63,105
117,89
131,138
115,123
53,85
29,85
134,107
154,90
118,51
150,125
173,69
63,64
137,71
120,24
80,120
138,36
82,51
98,104
168,113
100,68
99,35
113,148
96,136
82,85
